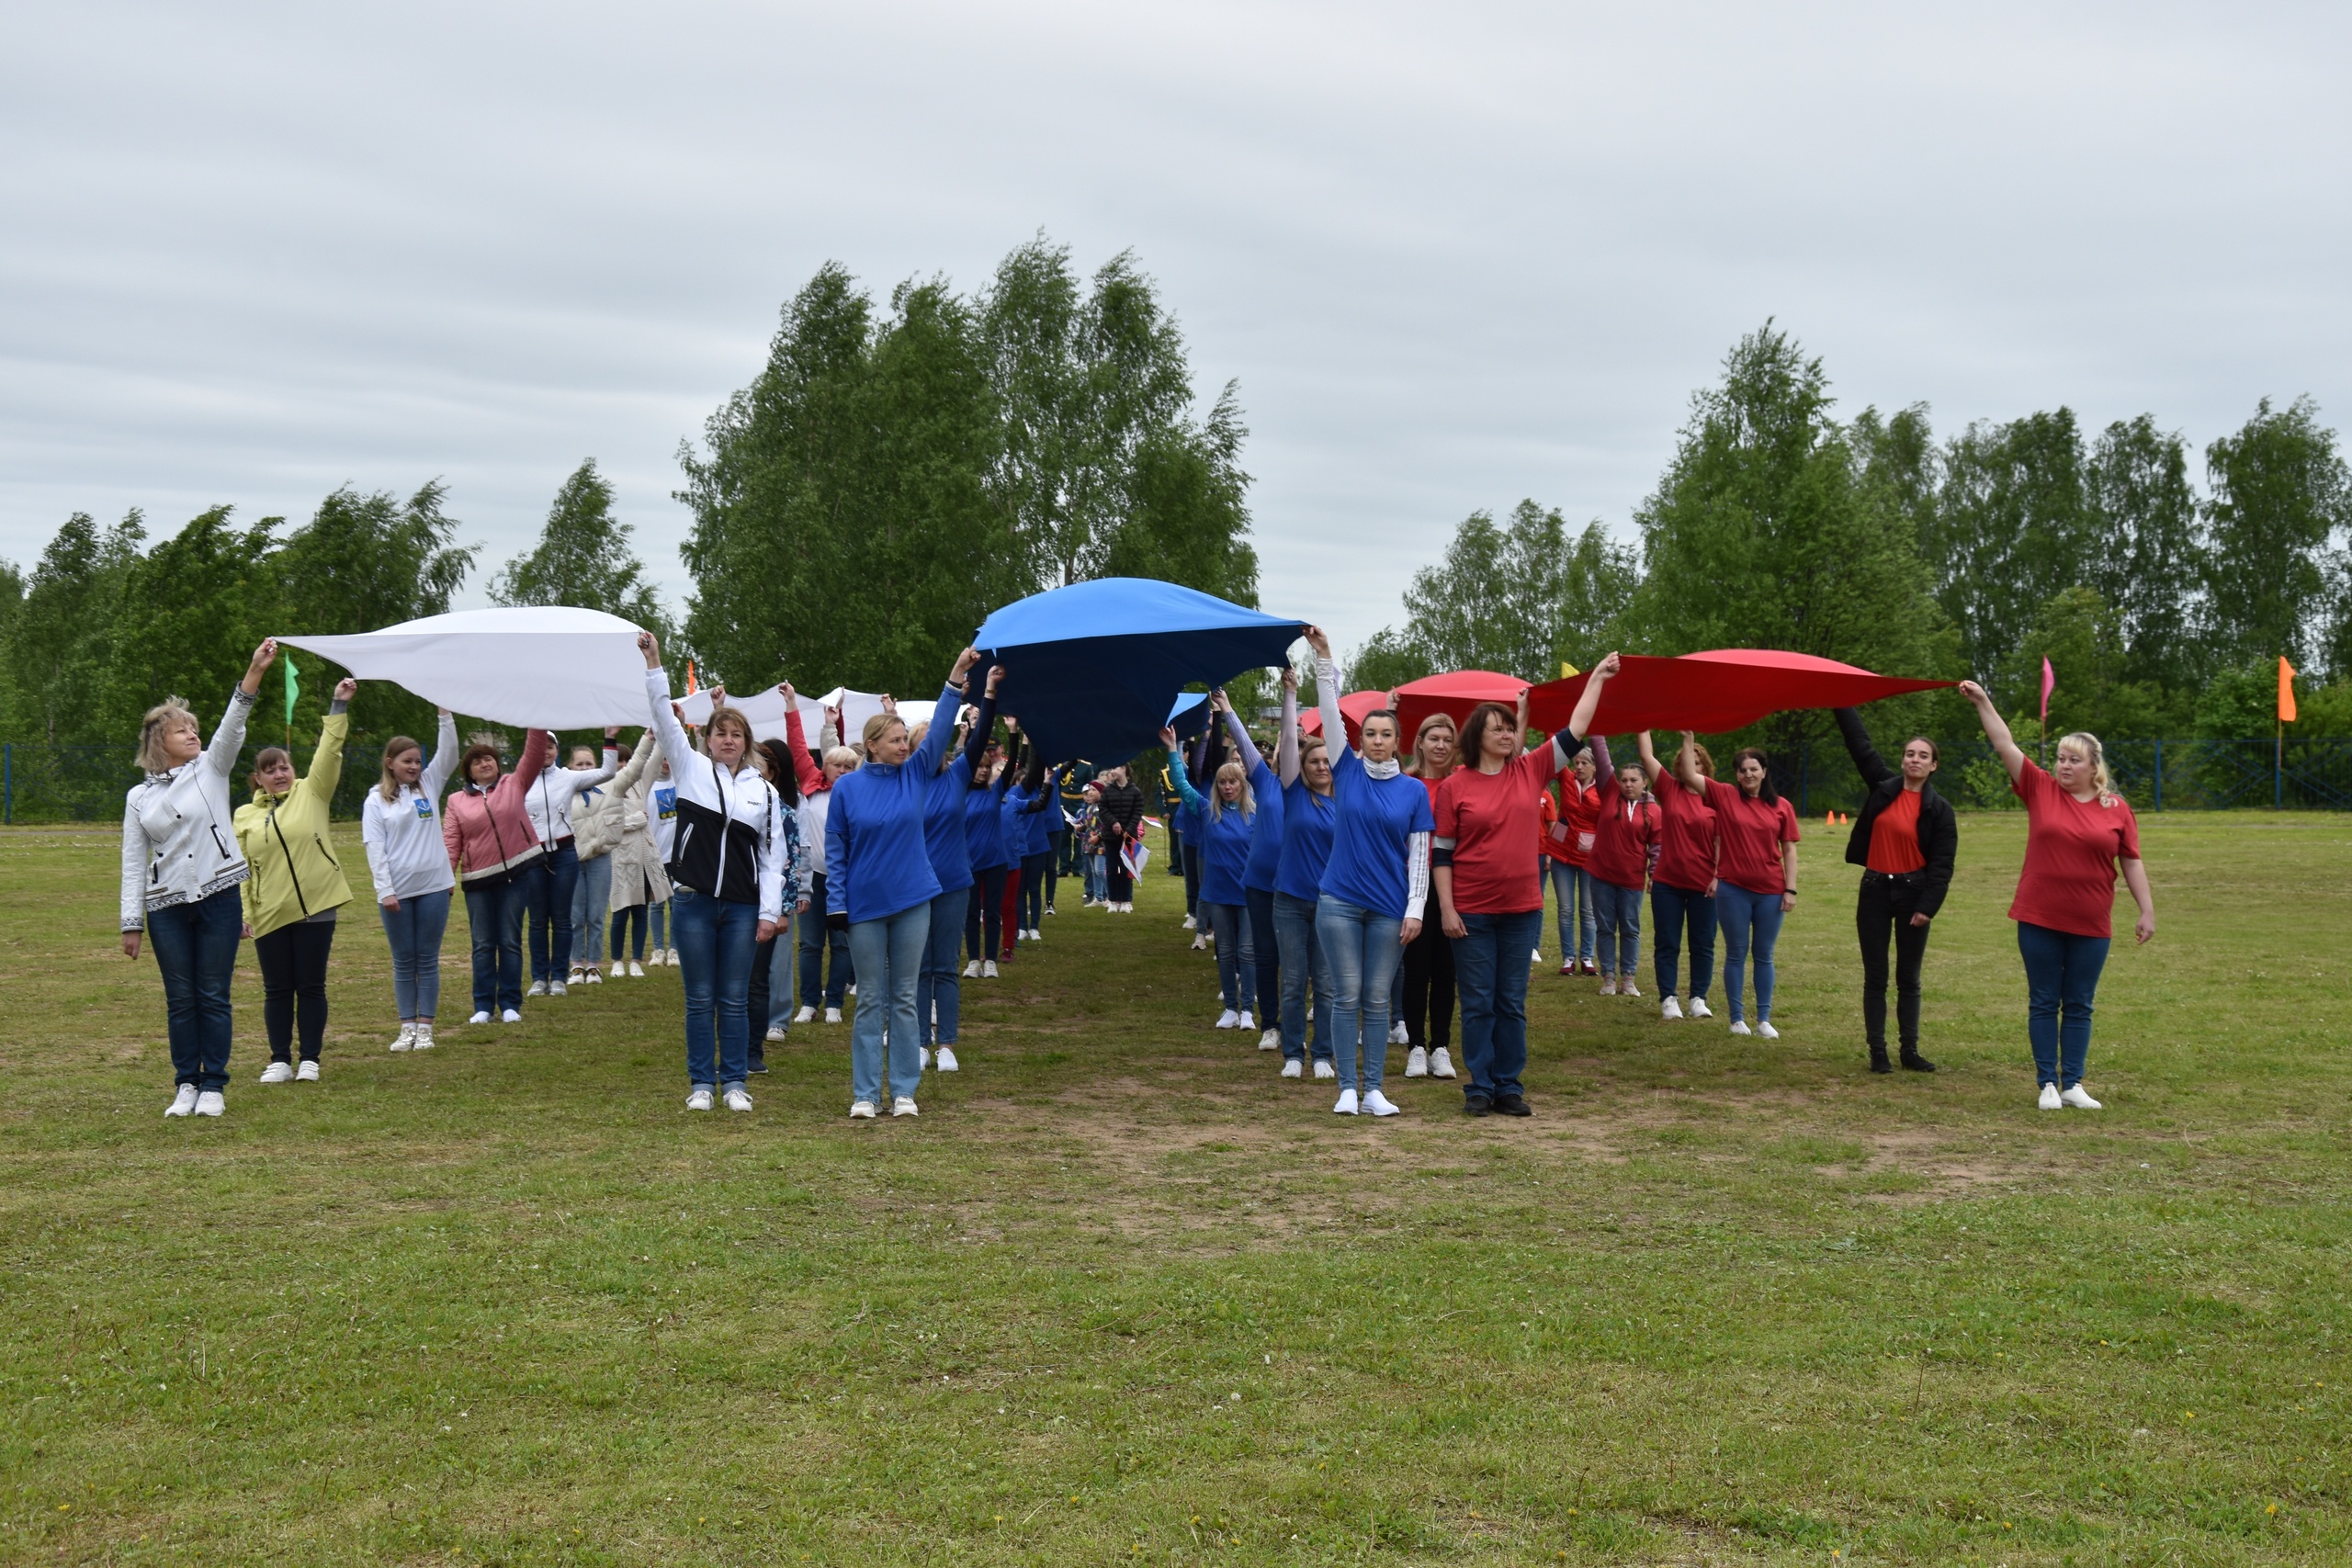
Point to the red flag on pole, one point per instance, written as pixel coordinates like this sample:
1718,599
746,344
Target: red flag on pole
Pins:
2049,684
2286,693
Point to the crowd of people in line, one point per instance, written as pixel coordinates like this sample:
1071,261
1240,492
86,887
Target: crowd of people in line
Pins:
916,857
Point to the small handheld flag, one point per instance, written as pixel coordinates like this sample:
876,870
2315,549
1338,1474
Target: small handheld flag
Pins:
293,685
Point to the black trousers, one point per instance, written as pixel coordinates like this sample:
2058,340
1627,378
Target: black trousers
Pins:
1429,987
756,998
294,986
984,916
1885,909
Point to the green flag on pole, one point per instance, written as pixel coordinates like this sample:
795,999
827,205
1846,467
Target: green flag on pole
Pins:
293,686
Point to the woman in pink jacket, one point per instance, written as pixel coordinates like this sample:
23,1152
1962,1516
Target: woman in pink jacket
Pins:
491,844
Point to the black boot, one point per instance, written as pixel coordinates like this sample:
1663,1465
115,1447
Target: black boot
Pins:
1915,1063
1879,1063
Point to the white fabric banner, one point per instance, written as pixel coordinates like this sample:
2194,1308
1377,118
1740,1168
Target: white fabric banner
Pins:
764,708
856,708
543,667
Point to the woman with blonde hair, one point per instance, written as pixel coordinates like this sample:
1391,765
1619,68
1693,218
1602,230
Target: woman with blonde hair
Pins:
1425,1022
296,888
399,826
2078,831
1682,890
1225,816
181,870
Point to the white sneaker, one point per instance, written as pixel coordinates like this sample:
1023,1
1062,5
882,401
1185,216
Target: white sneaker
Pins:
555,988
1248,1024
1670,1010
636,970
1699,1008
510,1016
1227,1019
1293,1069
739,1100
182,1102
775,1034
2079,1098
1378,1104
278,1072
478,1017
539,988
833,1015
988,969
424,1038
1416,1066
1326,1070
1608,984
2050,1100
1347,1105
406,1039
1036,935
923,1059
1397,1037
307,1072
593,978
972,970
1766,1030
211,1103
1200,945
1271,1040
945,1059
806,1015
1191,923
861,1110
1626,987
853,989
1441,1063
1739,1026
903,1106
578,975
1538,958
698,1100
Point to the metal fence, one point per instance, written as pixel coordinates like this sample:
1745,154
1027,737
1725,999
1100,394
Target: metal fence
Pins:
86,784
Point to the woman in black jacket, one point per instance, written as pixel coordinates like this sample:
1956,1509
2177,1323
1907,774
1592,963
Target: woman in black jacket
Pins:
1120,816
1904,841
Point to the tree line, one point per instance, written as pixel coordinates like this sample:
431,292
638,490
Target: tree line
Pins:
2161,607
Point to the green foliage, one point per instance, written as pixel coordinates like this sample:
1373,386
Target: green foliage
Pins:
2280,493
582,558
192,609
1385,663
2012,526
61,641
2081,636
2151,563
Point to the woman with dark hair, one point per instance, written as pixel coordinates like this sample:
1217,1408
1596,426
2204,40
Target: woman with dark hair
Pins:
399,825
1261,874
1119,814
1682,891
2078,832
486,828
763,1019
1022,797
939,996
1571,823
1375,886
1490,898
1756,883
984,843
1225,813
296,888
1309,816
821,984
551,885
1906,840
1625,846
180,874
1427,1022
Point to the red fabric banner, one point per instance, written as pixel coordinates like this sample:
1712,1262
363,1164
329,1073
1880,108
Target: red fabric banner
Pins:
1455,694
1722,689
1352,707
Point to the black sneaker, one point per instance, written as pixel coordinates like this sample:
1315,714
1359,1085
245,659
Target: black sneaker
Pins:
1879,1063
1476,1105
1513,1105
1915,1063
757,1064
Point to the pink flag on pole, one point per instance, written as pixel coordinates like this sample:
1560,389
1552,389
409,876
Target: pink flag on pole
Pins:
2049,684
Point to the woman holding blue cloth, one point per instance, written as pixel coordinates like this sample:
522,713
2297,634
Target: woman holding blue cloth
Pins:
1309,816
938,995
1226,813
1373,887
879,886
1259,874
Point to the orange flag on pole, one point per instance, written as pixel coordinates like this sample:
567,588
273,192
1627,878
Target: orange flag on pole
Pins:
2286,693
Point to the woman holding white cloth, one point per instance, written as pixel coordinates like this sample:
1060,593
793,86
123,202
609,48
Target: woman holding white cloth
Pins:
400,826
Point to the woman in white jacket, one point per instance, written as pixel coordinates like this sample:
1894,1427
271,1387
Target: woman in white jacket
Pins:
641,887
600,831
181,870
400,825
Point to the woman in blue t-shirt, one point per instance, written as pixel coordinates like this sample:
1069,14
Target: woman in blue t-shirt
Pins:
1263,953
1374,886
1309,814
1225,814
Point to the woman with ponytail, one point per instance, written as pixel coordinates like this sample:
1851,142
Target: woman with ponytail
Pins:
400,824
1756,885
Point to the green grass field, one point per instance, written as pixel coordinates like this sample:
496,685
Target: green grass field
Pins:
1120,1294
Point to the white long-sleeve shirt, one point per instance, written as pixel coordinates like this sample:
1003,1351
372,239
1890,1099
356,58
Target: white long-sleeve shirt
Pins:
406,855
549,800
179,842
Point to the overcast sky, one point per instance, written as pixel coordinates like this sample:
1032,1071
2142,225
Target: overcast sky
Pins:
1454,255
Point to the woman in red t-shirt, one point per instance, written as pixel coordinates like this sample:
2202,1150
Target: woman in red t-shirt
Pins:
1682,892
1569,828
1756,884
1624,847
2078,831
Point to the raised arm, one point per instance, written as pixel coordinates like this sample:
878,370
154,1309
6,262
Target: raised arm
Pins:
1587,705
1867,761
976,743
1327,690
326,763
1650,764
538,750
1243,747
608,762
1184,790
657,695
648,751
444,760
1997,730
804,769
1685,764
228,741
1287,747
925,761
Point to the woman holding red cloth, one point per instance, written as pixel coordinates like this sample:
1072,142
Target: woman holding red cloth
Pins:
1756,884
2078,831
1491,903
1682,892
1570,827
1624,844
1905,839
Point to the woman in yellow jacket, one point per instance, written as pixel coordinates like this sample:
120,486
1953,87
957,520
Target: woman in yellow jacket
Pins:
295,889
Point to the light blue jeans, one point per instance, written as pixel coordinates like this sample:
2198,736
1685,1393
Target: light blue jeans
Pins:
1237,969
592,898
940,989
1618,917
716,940
414,931
887,955
1751,924
1572,890
1363,950
1303,966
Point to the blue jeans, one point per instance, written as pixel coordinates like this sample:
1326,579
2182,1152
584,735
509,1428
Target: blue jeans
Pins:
1751,923
494,912
591,896
1617,922
1491,978
1229,923
658,916
1362,949
195,946
716,940
1674,910
413,931
940,988
888,953
1098,878
815,936
552,880
2061,983
1572,889
1032,888
1303,966
1265,955
782,970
